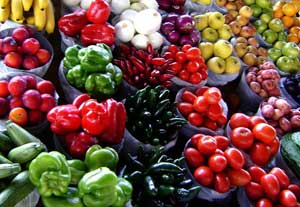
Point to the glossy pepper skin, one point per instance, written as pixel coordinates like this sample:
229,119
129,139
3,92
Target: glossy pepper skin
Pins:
98,33
98,188
98,12
96,157
77,76
50,173
72,24
71,57
78,169
100,84
124,192
70,199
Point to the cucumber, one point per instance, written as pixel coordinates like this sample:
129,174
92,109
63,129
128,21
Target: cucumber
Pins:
26,152
5,143
17,190
7,170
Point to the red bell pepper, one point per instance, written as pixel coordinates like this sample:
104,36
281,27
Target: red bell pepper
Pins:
98,12
81,99
72,24
98,33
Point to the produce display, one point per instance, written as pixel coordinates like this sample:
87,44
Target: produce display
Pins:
176,6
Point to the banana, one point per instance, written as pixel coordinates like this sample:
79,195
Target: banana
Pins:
4,13
27,4
43,4
30,20
17,10
50,25
39,16
4,3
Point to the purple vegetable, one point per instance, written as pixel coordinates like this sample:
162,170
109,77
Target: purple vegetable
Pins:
173,37
172,17
167,27
178,9
185,39
185,24
195,37
164,4
178,2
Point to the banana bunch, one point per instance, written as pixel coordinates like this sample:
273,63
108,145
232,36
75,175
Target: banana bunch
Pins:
16,10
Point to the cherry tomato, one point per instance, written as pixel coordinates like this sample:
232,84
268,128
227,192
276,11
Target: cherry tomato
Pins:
283,179
200,91
188,96
254,191
195,119
287,198
256,120
176,67
180,57
173,49
219,152
200,104
193,157
168,55
217,163
184,75
239,120
235,158
204,175
270,184
203,73
295,189
264,202
202,62
222,142
212,95
238,177
260,153
214,111
207,145
275,146
210,124
192,66
242,137
185,48
195,78
264,132
221,183
185,108
256,173
195,139
222,120
193,53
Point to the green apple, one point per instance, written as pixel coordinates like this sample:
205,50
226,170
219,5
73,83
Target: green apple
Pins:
256,10
276,25
291,50
207,49
274,53
263,3
282,36
260,26
201,22
265,17
285,64
279,44
233,65
268,11
216,20
249,2
270,36
217,65
225,32
223,49
210,34
204,2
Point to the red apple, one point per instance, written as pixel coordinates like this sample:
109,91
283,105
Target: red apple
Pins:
30,62
15,102
4,107
4,88
35,117
45,86
47,102
31,81
20,34
32,99
13,59
30,46
17,86
43,56
9,44
29,29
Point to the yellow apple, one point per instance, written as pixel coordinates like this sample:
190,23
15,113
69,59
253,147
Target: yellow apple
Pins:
201,22
246,11
216,20
217,65
233,65
204,2
207,49
225,32
223,49
220,3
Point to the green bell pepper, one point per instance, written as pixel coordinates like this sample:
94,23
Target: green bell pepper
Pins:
116,72
77,76
97,157
70,199
71,57
98,84
78,169
98,188
50,173
124,191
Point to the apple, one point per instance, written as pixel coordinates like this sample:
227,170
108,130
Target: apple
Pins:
250,59
252,49
256,10
291,50
43,56
247,31
220,3
241,40
9,44
201,22
262,52
279,44
249,2
216,20
265,18
13,59
270,36
30,62
246,11
282,36
20,34
260,26
253,41
263,3
261,60
30,46
207,49
235,27
276,25
210,34
241,49
233,65
225,32
31,99
204,2
231,6
228,18
217,65
223,49
285,64
234,13
4,107
274,53
242,20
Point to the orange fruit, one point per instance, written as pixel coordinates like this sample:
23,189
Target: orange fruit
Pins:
289,9
19,116
299,35
294,30
293,38
296,21
287,21
277,13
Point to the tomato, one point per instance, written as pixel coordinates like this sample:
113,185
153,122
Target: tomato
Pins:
195,78
264,202
195,139
283,179
200,104
219,152
256,173
188,96
287,198
270,184
200,91
214,111
212,125
207,145
239,120
235,158
264,132
195,119
192,66
254,191
193,53
212,95
204,175
242,137
203,73
173,49
184,75
180,57
168,55
185,48
185,108
275,146
222,120
256,120
4,88
222,142
193,157
260,153
239,177
217,163
221,183
176,67
295,189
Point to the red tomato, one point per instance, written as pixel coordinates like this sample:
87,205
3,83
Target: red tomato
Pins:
200,104
219,152
217,163
264,132
192,67
254,191
185,108
222,120
287,198
173,49
168,55
4,88
222,142
270,184
195,139
193,53
195,78
212,125
239,120
176,67
195,119
275,146
238,177
185,48
200,91
184,75
283,179
204,175
193,157
256,120
214,111
212,95
188,96
203,73
260,153
221,183
180,57
295,189
264,202
235,158
256,173
242,137
207,145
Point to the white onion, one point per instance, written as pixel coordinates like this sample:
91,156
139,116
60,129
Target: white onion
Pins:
147,21
128,14
124,30
156,40
140,41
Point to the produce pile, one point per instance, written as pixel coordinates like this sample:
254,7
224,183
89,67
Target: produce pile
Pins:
154,103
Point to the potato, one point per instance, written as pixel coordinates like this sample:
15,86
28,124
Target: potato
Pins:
268,85
267,111
277,114
283,105
259,79
285,124
266,74
274,92
272,100
295,121
263,93
250,77
255,86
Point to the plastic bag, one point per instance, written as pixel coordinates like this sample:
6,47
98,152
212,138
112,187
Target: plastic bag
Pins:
198,8
262,42
243,198
178,84
215,79
29,201
284,94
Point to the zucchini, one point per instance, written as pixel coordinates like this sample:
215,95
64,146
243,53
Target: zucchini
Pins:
5,143
7,170
26,152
